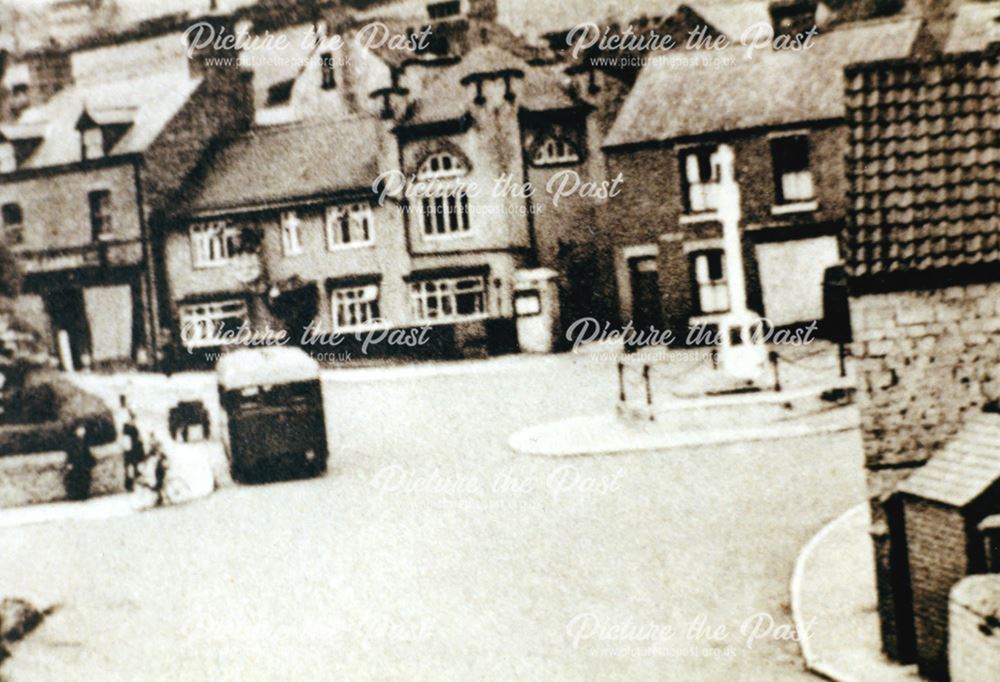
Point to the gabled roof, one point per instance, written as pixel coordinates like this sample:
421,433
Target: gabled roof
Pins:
151,101
964,469
282,163
732,18
977,24
440,95
922,165
690,93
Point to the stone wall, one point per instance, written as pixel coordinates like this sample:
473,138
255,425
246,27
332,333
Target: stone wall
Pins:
923,360
974,624
38,478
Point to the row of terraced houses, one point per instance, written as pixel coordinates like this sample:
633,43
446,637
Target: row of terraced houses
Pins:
348,187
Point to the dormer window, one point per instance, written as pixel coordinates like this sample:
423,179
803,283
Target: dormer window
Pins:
554,151
8,158
100,130
93,143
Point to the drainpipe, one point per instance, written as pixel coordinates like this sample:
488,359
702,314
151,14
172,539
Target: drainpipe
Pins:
146,238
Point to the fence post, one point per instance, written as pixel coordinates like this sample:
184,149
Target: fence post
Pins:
621,381
773,355
649,391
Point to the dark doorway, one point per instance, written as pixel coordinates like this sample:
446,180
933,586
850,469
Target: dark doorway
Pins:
70,331
899,642
647,304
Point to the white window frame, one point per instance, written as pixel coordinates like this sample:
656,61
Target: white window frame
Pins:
357,302
554,151
713,294
447,208
212,243
359,216
8,158
445,291
702,196
205,318
291,233
92,143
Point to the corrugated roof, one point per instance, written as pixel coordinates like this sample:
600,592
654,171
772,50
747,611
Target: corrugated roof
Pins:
692,93
922,165
153,101
275,163
962,470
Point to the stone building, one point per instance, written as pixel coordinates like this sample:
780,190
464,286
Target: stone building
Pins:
88,167
923,255
454,136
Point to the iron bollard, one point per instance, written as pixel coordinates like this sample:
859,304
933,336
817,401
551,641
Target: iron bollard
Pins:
773,357
649,391
621,381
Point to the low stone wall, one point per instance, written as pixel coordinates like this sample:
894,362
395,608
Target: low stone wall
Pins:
38,478
974,629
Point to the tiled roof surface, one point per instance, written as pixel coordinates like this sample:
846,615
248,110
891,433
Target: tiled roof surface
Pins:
962,470
152,102
275,163
693,93
923,165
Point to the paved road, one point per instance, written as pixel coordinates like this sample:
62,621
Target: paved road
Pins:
431,551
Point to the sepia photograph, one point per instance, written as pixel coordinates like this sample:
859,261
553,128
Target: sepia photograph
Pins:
534,340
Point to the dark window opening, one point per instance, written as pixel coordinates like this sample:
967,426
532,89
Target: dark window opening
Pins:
13,223
792,178
442,10
328,71
100,213
280,93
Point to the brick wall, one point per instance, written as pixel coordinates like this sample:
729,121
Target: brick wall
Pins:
974,645
935,537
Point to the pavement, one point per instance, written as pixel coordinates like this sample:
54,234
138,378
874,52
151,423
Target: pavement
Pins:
835,605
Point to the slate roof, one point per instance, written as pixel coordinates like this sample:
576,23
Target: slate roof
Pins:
976,25
151,102
286,162
439,94
964,469
673,98
923,165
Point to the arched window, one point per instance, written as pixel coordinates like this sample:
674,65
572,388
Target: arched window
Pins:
441,165
444,203
552,151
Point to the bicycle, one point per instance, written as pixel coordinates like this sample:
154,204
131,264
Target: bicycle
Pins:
166,488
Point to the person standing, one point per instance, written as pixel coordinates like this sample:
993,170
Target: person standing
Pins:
135,453
80,465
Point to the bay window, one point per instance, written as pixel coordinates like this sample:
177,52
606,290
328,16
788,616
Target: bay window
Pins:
449,298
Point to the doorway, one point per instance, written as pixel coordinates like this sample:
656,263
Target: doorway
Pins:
647,304
70,331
